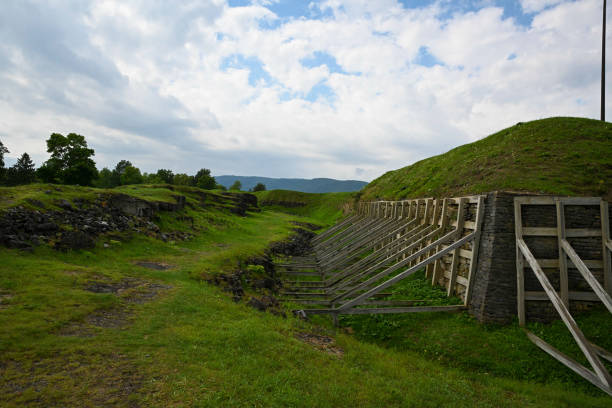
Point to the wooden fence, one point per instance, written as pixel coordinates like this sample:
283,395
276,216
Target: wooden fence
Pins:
562,295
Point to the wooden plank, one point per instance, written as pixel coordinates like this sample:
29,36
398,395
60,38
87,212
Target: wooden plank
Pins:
520,263
566,316
563,278
412,309
410,270
587,275
535,200
554,263
475,245
452,279
580,200
602,352
606,245
437,265
570,363
569,233
471,225
573,295
458,279
463,253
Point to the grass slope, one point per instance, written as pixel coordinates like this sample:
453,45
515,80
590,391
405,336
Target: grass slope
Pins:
566,156
324,208
192,346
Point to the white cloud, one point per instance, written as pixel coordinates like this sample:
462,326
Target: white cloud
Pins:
144,81
533,6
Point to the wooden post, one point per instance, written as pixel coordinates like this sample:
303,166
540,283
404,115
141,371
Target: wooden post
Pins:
437,265
520,263
458,232
606,245
475,248
563,278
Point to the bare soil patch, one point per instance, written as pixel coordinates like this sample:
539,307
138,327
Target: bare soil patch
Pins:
5,297
76,379
321,342
159,266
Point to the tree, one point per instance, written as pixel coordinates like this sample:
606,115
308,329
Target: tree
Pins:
105,178
131,175
236,186
3,150
118,171
166,176
70,161
204,180
22,172
183,179
259,187
220,187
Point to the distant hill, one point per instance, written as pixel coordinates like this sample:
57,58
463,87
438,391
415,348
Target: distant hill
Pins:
564,156
317,185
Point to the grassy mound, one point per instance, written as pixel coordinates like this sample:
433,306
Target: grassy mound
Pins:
565,156
321,208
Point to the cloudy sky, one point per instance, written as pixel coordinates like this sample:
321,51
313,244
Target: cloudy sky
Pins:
286,88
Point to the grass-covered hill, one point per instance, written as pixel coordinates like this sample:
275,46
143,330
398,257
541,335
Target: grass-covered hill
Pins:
321,208
133,320
565,156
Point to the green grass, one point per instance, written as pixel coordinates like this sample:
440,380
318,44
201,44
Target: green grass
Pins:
194,346
324,208
565,156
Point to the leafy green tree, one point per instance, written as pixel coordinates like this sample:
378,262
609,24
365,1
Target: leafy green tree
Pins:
259,187
3,150
183,179
204,180
105,178
220,187
151,178
236,186
70,161
131,175
22,172
118,172
166,176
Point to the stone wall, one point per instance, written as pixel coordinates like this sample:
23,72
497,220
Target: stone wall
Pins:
494,297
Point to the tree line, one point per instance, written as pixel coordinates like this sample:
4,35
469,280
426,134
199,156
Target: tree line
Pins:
71,162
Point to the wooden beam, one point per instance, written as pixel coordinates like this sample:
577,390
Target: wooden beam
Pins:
566,316
569,233
450,290
520,263
475,247
573,295
563,278
606,246
587,275
570,363
409,271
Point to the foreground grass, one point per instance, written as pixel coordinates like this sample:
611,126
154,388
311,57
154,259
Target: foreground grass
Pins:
566,156
193,346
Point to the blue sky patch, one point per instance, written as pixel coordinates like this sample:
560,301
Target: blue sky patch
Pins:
321,91
511,56
512,8
319,58
257,72
426,59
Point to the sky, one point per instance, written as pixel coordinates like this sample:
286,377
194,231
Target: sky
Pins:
346,89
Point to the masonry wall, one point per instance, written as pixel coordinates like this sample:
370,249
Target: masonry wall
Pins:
494,291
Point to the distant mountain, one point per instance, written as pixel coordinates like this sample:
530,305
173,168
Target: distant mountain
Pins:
317,185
